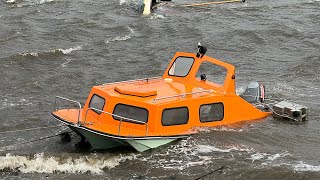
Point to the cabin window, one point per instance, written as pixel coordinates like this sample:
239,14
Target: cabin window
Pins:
97,103
181,66
175,116
211,112
213,73
132,113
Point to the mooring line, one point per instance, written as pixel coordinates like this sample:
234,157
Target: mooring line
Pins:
31,141
220,168
30,129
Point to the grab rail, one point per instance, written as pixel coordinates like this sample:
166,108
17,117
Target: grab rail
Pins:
158,77
69,100
182,95
121,119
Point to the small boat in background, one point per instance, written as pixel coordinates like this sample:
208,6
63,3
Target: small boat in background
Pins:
194,91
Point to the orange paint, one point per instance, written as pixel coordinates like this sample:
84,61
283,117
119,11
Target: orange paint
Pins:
157,94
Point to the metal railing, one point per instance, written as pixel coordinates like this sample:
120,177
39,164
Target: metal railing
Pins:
182,95
132,81
121,119
70,101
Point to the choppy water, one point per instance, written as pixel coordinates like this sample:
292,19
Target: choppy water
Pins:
63,47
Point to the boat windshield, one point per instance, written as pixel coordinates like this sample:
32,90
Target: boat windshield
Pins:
181,66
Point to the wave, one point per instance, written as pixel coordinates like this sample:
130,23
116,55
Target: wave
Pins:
208,148
156,16
40,163
122,2
21,102
22,3
121,38
305,167
187,154
55,51
267,158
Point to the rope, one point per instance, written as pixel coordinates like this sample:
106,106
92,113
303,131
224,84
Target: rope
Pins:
35,140
30,129
220,168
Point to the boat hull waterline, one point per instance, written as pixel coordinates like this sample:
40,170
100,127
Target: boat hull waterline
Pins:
101,141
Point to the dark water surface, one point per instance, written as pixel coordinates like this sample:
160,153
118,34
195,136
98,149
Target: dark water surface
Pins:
64,47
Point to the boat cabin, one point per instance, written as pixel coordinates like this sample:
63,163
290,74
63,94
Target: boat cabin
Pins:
192,92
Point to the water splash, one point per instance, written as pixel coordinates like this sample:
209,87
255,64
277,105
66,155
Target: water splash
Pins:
43,164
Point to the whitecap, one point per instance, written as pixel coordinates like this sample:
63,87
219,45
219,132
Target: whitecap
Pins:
68,51
34,54
257,156
306,167
122,2
10,1
156,16
267,158
42,164
208,148
22,3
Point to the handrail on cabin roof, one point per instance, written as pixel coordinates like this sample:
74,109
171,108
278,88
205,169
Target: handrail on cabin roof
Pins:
133,80
182,95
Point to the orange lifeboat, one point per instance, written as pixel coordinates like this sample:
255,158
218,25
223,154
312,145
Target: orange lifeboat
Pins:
146,113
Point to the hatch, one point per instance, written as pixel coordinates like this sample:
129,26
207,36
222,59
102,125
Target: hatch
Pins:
134,90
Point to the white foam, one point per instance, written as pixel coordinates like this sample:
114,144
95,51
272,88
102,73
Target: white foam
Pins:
64,51
65,63
257,156
306,167
11,1
122,38
122,2
185,155
208,148
40,1
35,54
68,51
11,103
42,164
227,129
22,3
156,16
267,158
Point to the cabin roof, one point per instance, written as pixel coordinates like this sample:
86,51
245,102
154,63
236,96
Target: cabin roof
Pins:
179,82
155,91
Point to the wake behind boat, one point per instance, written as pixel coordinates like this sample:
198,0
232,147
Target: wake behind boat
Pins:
148,113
